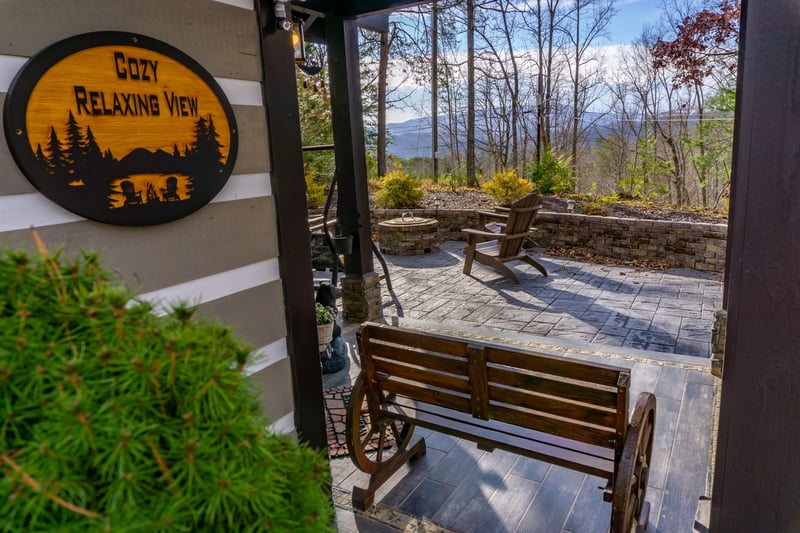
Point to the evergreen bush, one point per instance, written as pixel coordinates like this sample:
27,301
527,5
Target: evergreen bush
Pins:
116,419
399,190
552,174
505,187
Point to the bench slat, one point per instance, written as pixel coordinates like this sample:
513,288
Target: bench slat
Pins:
602,452
555,406
438,397
432,360
422,375
554,387
497,435
535,362
407,338
553,426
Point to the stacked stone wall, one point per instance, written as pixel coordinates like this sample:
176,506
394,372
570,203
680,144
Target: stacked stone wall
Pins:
698,246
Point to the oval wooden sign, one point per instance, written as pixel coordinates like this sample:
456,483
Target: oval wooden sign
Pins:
121,128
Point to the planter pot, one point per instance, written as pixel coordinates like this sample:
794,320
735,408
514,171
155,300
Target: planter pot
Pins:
343,244
324,335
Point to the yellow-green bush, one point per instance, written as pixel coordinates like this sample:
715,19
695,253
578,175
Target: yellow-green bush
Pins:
506,186
315,192
399,190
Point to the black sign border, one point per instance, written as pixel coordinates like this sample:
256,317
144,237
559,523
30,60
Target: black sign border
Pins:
16,105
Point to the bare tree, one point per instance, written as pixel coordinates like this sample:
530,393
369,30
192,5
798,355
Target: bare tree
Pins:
590,20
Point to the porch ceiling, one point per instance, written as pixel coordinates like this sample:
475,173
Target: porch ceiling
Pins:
352,8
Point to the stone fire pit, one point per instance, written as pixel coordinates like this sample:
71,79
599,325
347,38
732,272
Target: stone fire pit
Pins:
408,235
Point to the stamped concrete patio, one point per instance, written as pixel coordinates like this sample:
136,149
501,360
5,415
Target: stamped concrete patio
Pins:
658,323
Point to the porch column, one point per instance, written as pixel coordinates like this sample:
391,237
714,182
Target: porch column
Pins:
288,186
757,465
361,298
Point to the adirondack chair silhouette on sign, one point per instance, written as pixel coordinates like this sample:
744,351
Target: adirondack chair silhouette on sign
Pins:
499,243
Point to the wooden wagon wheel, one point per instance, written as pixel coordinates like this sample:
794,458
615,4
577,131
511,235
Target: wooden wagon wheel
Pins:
630,486
361,430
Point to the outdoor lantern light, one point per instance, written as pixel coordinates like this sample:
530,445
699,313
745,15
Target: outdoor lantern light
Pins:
298,42
436,202
570,206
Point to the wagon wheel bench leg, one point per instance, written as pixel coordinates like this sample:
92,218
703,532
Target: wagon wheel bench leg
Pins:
361,430
629,508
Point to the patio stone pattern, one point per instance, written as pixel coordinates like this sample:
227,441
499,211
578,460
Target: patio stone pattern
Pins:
698,246
658,323
665,311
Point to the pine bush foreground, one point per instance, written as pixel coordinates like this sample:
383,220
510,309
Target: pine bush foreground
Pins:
116,419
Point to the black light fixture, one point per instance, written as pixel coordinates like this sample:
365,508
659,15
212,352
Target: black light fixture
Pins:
298,42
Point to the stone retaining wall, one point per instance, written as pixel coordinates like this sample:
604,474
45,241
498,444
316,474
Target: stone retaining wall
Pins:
679,244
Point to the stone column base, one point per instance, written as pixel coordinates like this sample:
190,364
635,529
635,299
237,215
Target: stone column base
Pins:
361,297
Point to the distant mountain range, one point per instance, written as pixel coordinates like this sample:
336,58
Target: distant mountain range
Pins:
412,138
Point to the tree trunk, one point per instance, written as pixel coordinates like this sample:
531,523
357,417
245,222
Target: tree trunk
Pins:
471,178
383,67
539,82
435,91
576,88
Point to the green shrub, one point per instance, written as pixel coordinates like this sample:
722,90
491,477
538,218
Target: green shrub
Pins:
118,419
505,187
453,181
399,191
552,174
315,192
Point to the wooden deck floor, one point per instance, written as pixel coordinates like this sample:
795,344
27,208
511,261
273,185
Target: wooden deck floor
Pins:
457,487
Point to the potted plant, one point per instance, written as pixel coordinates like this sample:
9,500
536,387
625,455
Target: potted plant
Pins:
117,418
326,316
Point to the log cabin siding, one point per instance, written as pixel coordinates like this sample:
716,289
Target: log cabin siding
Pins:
223,257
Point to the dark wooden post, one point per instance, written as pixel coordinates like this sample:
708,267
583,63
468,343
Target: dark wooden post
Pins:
361,286
289,189
758,463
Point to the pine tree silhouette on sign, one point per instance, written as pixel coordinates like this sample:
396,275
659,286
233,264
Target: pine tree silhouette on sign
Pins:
92,153
55,159
40,157
73,153
214,146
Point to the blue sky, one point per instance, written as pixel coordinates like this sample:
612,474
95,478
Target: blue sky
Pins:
626,26
631,16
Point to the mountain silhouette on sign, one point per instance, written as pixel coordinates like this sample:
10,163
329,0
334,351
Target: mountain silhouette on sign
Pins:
143,161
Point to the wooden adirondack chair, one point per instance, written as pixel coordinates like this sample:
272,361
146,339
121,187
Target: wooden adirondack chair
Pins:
502,243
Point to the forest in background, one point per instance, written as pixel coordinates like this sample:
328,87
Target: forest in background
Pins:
525,85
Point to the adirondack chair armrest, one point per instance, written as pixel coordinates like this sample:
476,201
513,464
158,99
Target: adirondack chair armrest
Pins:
487,234
476,235
503,236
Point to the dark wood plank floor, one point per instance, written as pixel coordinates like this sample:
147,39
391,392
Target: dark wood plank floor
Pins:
463,489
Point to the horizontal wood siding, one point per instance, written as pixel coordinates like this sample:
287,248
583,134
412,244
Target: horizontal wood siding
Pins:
223,257
222,38
255,314
183,246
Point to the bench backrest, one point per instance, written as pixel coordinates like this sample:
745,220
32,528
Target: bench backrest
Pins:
520,218
577,400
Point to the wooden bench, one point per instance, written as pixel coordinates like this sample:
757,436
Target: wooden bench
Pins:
566,412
